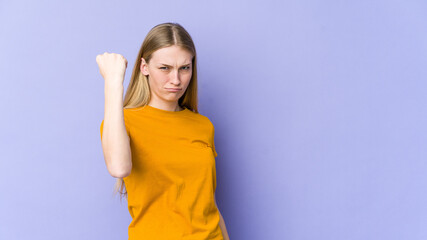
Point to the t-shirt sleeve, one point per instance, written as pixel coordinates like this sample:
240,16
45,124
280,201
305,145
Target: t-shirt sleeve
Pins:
127,124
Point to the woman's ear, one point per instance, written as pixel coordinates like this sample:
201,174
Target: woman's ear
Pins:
144,67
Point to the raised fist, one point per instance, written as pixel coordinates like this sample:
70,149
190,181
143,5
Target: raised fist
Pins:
112,66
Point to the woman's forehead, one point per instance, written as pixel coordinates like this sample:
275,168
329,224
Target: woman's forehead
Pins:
172,55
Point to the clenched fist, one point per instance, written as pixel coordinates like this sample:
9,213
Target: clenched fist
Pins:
112,67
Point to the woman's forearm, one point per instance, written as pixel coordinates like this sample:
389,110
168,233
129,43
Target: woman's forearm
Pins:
114,138
223,228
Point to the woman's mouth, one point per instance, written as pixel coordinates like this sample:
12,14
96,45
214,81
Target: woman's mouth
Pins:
173,89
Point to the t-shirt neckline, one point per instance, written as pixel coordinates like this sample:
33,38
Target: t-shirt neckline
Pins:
166,112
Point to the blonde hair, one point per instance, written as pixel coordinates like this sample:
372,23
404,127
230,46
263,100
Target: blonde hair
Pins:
138,91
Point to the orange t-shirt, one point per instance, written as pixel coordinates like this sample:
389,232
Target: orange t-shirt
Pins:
172,183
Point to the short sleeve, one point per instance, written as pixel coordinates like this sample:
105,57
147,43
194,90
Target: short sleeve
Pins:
127,125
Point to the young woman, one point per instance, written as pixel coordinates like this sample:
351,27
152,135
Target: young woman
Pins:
156,143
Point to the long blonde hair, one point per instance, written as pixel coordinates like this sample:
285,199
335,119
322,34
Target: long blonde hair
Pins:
138,91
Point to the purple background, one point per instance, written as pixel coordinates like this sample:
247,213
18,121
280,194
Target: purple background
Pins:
319,109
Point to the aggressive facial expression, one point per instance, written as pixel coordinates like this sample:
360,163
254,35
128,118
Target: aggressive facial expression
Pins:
169,73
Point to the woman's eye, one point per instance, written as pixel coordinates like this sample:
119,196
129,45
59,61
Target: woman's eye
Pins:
185,68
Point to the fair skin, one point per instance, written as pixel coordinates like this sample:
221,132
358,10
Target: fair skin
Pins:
169,68
115,141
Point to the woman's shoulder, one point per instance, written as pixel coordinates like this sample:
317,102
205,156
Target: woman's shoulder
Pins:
202,119
128,111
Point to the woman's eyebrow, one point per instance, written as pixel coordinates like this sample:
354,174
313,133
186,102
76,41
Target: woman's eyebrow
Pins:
171,66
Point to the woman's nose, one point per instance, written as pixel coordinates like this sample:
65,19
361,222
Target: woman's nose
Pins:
175,76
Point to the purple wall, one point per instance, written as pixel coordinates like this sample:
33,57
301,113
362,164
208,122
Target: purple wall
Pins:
319,109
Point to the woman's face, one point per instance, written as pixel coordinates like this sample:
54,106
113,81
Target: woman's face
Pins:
169,72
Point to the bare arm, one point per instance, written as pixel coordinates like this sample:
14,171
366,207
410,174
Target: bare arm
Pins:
115,140
222,224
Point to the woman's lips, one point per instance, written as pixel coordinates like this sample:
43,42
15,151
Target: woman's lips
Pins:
173,89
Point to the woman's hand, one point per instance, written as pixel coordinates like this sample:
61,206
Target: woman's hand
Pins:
112,67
